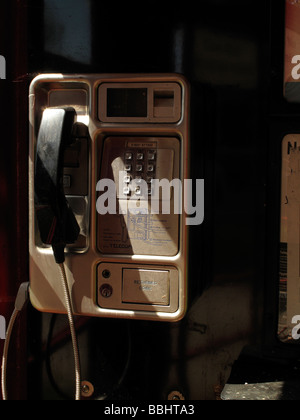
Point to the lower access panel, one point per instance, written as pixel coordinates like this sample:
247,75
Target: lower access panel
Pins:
144,288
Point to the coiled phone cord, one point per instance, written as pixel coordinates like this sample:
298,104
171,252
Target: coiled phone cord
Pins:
5,353
22,298
73,332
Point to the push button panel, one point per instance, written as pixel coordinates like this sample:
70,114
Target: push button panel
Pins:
139,227
140,161
140,165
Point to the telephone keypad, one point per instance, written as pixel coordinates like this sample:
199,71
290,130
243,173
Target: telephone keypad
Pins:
126,190
128,156
151,156
127,179
139,165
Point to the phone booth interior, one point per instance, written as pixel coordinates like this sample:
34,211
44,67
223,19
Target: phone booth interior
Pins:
163,309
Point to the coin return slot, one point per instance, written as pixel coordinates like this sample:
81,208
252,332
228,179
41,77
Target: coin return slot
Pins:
149,287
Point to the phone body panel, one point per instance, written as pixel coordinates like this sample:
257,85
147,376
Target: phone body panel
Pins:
161,102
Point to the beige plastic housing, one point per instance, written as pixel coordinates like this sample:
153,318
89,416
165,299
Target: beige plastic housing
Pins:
121,267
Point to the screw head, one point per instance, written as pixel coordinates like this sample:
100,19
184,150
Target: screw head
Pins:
87,389
176,396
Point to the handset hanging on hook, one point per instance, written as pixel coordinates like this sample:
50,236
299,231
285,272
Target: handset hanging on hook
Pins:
56,221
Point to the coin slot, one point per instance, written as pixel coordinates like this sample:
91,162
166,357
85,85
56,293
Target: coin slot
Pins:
164,103
164,98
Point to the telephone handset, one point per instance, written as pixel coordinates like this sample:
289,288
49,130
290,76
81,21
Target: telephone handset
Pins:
56,220
130,259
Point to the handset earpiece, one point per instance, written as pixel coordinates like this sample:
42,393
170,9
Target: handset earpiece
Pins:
56,221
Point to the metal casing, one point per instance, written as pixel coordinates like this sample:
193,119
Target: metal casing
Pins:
82,263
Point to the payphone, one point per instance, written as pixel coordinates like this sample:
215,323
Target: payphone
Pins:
102,149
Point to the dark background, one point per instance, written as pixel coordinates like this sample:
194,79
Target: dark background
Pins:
232,53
